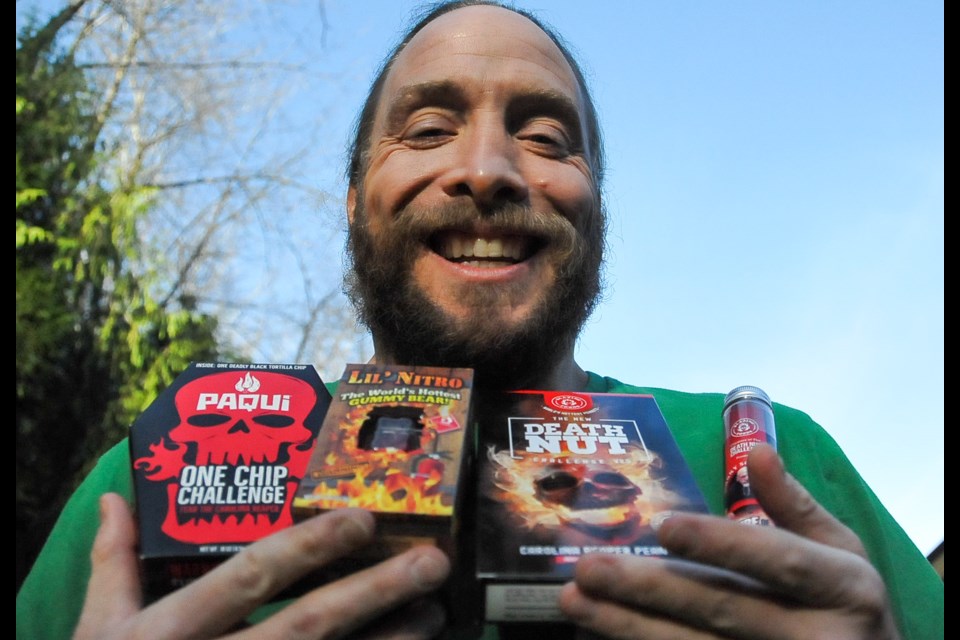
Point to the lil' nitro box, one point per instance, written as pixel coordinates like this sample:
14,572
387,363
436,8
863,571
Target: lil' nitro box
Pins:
563,474
394,442
217,458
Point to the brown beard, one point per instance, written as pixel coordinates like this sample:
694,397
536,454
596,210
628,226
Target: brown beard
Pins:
408,326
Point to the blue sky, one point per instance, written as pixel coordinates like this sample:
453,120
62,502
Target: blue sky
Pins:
775,190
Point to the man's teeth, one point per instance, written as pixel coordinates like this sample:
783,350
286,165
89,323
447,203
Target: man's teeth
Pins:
510,249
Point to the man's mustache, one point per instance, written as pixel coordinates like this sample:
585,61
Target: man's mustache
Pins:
550,229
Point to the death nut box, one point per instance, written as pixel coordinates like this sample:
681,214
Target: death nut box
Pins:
394,442
216,461
563,474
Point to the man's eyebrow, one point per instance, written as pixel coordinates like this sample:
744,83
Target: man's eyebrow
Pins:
442,93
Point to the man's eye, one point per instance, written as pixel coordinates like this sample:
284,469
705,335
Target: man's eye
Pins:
543,139
426,137
546,138
428,129
429,133
551,146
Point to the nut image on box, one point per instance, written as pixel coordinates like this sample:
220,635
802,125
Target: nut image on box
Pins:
216,461
393,442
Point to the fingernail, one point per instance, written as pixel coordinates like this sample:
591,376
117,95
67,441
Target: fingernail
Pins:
572,602
675,535
353,531
102,508
780,466
596,571
430,570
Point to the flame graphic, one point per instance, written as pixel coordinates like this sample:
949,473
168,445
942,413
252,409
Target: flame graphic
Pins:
376,479
248,384
396,493
163,463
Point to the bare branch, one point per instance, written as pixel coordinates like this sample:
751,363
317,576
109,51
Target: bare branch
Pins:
196,108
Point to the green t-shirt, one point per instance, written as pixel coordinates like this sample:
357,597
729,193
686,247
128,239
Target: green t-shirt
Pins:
51,597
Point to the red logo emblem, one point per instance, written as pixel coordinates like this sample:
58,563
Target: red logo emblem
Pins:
568,402
744,427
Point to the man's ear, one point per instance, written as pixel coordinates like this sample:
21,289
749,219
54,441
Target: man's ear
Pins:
351,203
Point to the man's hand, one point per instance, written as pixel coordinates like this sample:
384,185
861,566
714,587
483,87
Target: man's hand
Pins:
219,602
808,577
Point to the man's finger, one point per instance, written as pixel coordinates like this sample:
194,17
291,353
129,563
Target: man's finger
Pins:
809,555
792,507
113,593
341,608
226,595
619,619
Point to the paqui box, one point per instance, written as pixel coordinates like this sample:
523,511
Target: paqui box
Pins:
217,458
564,474
394,442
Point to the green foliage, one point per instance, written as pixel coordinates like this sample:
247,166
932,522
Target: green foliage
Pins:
95,341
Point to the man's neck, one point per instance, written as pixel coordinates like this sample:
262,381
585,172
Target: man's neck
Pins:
565,375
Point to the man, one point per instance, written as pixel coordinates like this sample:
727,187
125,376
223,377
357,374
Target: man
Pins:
476,233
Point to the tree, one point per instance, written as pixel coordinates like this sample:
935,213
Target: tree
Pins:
197,106
93,346
159,203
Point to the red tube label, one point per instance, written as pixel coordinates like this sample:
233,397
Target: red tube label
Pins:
747,423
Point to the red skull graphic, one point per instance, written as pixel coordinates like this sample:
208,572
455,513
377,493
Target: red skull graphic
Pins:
243,418
240,429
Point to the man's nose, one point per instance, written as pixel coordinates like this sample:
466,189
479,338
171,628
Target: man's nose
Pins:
486,169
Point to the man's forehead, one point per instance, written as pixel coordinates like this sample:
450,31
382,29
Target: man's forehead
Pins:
479,40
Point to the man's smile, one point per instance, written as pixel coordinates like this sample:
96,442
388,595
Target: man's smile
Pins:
483,250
